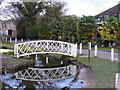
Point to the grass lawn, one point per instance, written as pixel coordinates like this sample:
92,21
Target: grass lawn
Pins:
6,44
104,70
9,60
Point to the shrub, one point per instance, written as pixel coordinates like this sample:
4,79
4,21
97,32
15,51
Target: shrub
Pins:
99,41
9,52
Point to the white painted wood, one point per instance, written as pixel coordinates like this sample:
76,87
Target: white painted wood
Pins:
36,57
6,39
46,74
95,50
10,40
17,51
90,47
21,40
80,48
61,62
112,54
46,59
117,81
15,40
46,46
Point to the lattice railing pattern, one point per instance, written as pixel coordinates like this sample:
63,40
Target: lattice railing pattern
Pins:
47,74
45,46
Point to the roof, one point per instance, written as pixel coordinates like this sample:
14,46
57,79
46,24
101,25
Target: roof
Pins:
114,10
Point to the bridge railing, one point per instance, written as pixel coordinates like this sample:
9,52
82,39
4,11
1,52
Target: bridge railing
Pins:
45,46
47,74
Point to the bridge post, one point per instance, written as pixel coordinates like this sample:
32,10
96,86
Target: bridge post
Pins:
47,45
61,62
17,51
36,58
75,50
6,39
68,69
68,48
73,69
46,59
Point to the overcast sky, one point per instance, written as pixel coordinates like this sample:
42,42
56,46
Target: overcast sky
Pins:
83,7
88,7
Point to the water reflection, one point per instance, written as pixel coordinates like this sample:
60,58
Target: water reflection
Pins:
10,82
48,62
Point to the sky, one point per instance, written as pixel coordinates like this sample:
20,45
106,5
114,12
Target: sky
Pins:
88,7
83,7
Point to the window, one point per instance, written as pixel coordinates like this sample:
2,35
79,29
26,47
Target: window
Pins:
9,32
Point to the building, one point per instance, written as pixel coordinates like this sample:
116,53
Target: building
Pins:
113,11
8,27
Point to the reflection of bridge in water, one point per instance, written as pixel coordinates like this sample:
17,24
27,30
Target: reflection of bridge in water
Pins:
47,74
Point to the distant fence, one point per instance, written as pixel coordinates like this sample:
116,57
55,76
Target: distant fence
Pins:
95,51
117,82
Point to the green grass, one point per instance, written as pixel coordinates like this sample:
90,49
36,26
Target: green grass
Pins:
10,60
6,44
9,52
104,70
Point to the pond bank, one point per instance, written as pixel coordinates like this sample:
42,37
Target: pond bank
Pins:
10,63
86,75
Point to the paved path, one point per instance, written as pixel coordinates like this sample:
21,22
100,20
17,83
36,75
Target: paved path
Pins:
102,54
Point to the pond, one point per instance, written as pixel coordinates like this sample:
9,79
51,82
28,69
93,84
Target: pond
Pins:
41,61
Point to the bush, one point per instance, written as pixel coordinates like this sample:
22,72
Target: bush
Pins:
9,52
85,41
93,44
106,43
99,41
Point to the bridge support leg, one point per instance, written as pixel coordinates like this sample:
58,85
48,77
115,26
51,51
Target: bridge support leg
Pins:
46,59
28,56
61,62
36,58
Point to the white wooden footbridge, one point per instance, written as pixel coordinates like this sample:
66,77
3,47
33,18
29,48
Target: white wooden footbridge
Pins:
45,46
47,74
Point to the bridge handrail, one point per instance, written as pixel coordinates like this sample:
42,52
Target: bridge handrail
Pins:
42,41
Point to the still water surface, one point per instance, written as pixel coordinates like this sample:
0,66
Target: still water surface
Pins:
9,81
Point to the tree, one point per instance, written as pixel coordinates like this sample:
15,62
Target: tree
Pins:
110,29
52,16
69,27
27,18
87,27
